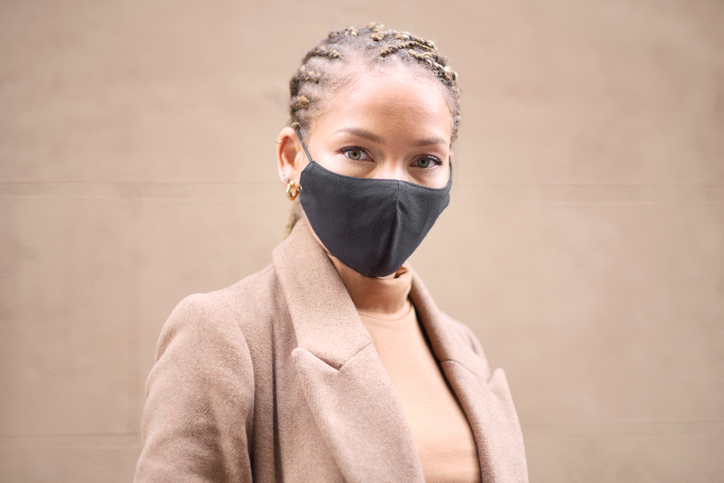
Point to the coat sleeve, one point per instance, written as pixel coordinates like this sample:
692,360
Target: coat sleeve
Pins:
197,421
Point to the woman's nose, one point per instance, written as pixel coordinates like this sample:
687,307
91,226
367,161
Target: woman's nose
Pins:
391,170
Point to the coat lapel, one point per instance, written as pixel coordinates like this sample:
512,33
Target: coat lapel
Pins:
486,400
344,382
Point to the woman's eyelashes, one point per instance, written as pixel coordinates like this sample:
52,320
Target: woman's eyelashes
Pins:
427,162
356,154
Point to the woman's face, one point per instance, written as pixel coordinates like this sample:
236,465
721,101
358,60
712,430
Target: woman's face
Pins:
389,125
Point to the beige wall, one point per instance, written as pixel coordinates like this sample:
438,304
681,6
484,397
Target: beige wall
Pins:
584,244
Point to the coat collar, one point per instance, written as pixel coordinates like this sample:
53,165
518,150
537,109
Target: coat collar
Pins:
349,392
485,399
325,320
344,383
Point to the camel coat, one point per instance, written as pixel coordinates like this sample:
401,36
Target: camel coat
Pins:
276,379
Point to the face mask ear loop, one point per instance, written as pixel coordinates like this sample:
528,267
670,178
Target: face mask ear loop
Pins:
299,135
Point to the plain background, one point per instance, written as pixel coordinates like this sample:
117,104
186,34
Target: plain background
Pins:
584,243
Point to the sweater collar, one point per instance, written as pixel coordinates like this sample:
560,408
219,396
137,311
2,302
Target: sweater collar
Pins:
385,297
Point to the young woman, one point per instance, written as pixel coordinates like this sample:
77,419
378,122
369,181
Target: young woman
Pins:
333,363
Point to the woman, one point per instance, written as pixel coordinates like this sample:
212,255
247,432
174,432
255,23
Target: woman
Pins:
333,363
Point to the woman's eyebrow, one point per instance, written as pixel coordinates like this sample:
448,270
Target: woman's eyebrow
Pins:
363,133
430,141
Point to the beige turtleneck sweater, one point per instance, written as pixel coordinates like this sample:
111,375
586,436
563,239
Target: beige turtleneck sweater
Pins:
439,427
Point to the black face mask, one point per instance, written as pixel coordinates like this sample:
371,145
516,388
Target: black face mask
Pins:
370,225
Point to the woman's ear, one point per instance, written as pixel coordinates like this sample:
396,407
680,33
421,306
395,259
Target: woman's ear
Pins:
290,155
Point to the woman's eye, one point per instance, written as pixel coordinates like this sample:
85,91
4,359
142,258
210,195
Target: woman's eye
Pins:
427,162
355,153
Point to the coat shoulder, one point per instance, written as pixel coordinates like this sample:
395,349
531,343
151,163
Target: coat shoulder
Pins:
203,391
250,305
255,300
229,317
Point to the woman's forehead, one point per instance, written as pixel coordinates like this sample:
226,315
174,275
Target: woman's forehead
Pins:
399,97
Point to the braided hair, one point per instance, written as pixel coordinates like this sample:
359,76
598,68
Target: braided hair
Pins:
325,68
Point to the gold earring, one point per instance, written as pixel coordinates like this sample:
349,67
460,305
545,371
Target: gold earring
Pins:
292,193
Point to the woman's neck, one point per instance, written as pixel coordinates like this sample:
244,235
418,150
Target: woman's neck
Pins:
385,297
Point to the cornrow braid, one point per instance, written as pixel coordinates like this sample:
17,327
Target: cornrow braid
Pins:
378,31
300,102
303,75
322,51
408,36
338,61
431,59
309,75
408,44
